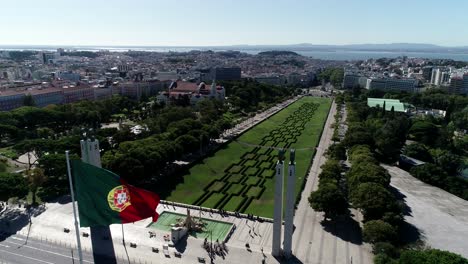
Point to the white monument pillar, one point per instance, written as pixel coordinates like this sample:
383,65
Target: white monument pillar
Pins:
90,152
289,209
278,210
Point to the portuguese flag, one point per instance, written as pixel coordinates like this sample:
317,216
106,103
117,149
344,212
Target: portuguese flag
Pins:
104,198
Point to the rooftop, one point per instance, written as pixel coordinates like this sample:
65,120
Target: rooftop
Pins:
389,103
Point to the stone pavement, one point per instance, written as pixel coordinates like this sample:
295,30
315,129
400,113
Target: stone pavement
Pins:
48,226
440,217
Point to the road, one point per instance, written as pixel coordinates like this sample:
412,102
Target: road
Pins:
19,249
338,242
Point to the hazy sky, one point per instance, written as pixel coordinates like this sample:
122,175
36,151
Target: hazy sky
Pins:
231,22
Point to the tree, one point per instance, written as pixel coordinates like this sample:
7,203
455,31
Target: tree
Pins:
12,185
34,149
367,172
337,151
418,151
447,161
378,231
189,143
357,134
384,259
328,199
429,173
430,256
337,76
385,248
28,100
55,171
36,178
424,131
331,170
373,200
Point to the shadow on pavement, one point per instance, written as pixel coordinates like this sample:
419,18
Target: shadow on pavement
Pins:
103,247
15,218
181,246
292,260
402,199
408,233
344,227
62,200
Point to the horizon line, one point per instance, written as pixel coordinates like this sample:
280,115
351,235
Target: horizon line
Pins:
233,45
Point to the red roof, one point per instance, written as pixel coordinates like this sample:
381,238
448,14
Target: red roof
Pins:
191,87
185,87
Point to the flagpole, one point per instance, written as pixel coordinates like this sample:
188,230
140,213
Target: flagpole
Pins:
78,241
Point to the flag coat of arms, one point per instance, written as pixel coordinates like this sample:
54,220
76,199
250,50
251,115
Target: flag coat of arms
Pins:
104,198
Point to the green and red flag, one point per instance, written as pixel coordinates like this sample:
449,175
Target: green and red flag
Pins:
104,198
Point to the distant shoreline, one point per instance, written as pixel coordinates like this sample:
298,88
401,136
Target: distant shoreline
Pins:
317,53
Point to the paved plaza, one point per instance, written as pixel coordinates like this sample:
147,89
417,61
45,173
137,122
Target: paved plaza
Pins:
440,217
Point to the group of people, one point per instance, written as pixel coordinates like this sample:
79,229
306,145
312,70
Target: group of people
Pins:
215,249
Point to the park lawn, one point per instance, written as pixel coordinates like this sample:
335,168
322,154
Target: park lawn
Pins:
213,167
233,203
213,200
236,189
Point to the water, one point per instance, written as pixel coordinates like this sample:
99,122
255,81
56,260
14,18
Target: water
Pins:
317,54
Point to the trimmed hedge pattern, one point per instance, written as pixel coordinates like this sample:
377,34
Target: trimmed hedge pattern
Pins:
245,179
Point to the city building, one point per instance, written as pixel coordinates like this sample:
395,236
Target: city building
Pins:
408,85
465,85
221,74
63,92
456,85
10,100
48,57
439,76
47,96
272,80
69,76
427,73
350,81
195,92
72,94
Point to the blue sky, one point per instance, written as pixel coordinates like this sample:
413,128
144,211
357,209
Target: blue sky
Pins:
232,22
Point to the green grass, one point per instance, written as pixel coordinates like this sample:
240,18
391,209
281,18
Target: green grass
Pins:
253,191
252,171
214,167
9,152
235,178
215,229
217,186
235,189
233,203
252,181
235,169
213,200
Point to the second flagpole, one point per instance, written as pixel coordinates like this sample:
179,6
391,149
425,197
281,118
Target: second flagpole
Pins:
78,240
